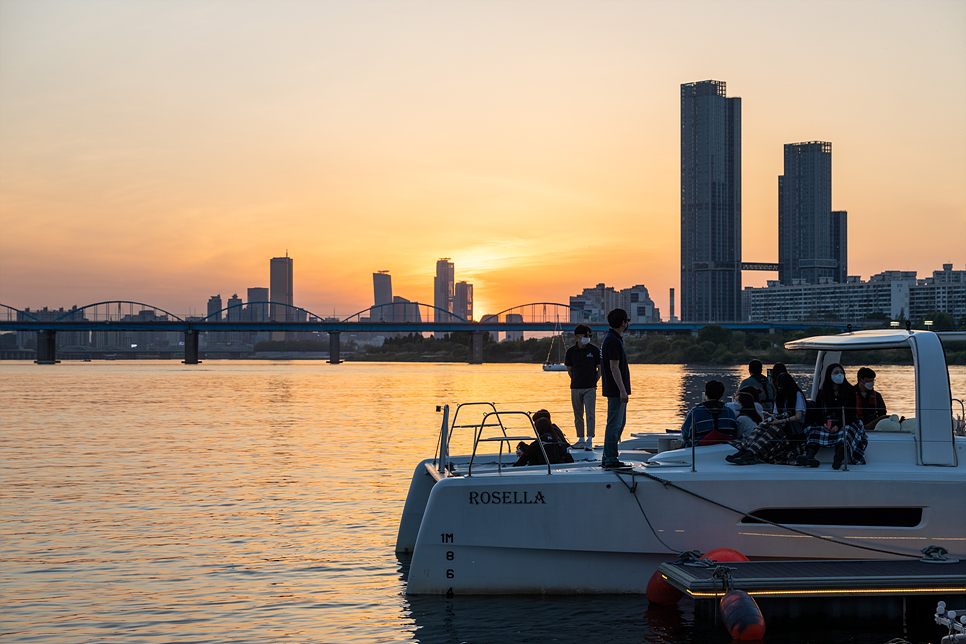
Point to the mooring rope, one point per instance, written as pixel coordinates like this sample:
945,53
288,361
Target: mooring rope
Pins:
667,483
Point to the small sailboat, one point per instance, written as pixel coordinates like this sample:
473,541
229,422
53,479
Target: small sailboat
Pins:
549,364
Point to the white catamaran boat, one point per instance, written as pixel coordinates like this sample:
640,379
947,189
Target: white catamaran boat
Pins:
476,526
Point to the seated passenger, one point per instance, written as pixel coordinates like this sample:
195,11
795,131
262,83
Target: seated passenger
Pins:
839,426
753,392
711,421
558,434
765,387
554,446
748,413
869,406
777,439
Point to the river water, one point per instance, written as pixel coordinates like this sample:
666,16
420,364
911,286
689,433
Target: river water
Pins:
258,502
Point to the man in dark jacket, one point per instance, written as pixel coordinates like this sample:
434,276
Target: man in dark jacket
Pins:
615,385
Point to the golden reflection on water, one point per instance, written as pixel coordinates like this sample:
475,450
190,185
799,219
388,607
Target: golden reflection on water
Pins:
256,501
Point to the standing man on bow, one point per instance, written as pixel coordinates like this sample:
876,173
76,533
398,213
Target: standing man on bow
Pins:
583,365
615,385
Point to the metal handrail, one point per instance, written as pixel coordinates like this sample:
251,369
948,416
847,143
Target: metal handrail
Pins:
446,433
483,424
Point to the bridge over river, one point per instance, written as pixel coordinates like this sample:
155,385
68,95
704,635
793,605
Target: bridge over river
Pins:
118,316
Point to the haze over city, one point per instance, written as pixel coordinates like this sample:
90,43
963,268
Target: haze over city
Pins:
163,152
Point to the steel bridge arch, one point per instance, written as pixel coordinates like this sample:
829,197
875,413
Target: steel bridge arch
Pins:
590,316
455,318
207,318
72,312
10,308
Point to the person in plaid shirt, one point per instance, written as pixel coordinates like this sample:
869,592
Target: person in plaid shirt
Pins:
777,439
841,428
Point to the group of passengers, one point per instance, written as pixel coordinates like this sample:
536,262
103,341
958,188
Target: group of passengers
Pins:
770,421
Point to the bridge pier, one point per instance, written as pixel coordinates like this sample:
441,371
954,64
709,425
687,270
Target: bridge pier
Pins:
191,347
334,347
476,347
47,347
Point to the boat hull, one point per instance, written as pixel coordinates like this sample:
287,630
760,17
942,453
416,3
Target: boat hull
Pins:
587,530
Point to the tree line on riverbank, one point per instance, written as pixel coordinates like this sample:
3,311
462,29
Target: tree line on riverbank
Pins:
711,345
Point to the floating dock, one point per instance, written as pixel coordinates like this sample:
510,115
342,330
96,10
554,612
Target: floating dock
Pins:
829,587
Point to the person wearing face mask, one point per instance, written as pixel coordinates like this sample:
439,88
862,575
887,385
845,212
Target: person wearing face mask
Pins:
869,406
840,427
583,365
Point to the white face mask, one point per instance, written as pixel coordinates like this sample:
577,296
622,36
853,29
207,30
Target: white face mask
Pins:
584,341
870,385
838,378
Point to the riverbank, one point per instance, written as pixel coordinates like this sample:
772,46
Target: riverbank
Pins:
712,345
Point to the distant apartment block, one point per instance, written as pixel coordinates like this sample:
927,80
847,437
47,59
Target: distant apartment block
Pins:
494,335
463,300
214,309
890,294
812,239
404,311
443,289
257,308
600,300
511,318
710,203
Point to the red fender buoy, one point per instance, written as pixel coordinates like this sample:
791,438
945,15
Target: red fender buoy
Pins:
659,591
741,616
724,554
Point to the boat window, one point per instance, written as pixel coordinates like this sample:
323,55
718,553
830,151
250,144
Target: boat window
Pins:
863,517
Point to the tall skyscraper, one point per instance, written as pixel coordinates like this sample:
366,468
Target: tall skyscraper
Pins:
443,287
280,283
382,288
812,240
463,300
281,287
710,203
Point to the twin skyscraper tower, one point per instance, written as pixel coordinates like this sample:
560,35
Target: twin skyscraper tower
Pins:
812,239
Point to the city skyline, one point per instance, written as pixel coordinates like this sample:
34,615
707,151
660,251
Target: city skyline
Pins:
152,152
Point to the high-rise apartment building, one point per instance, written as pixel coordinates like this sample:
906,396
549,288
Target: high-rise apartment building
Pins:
710,203
812,240
463,300
280,283
443,289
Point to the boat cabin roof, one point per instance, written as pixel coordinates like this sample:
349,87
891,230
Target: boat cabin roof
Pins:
933,396
858,340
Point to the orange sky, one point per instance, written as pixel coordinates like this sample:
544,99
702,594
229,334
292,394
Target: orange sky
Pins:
165,151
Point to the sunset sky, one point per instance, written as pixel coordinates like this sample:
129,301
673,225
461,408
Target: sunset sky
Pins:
163,152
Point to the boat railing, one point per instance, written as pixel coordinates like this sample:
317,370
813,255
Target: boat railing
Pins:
441,460
504,439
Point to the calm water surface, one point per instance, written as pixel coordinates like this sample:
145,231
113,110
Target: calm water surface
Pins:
259,502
